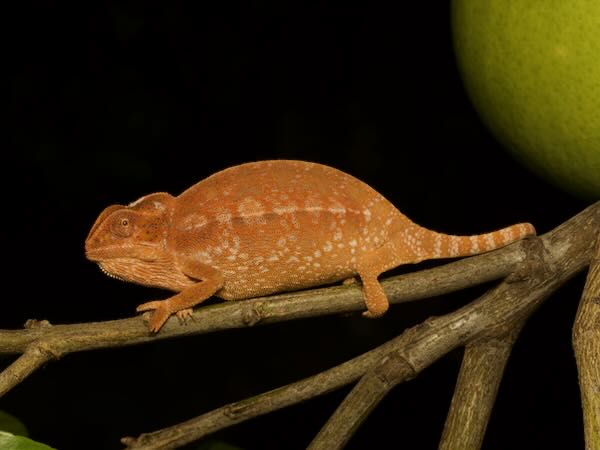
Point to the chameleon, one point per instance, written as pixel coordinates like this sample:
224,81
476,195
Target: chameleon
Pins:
266,227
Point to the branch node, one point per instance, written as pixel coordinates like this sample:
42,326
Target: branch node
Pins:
252,315
46,348
393,367
236,410
34,323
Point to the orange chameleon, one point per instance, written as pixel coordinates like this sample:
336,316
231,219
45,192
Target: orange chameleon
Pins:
266,227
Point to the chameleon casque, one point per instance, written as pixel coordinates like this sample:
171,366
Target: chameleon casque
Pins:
266,227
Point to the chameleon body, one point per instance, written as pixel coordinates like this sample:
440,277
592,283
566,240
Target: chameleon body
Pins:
266,227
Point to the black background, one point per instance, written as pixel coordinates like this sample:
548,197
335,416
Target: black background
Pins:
111,101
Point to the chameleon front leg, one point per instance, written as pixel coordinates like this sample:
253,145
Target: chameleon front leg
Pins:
211,280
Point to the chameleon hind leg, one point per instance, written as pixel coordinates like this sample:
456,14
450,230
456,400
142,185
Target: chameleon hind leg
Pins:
387,257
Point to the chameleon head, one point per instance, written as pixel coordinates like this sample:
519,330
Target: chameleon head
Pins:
130,242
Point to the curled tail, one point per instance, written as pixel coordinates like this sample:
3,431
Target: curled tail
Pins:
438,245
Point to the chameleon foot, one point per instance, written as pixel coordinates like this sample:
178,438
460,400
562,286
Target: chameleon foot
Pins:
160,313
185,315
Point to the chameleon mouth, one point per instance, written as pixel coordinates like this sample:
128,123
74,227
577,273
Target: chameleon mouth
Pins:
109,274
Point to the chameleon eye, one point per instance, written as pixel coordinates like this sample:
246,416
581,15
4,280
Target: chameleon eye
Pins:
121,226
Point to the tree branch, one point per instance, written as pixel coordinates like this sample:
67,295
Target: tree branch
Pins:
63,339
362,400
537,268
586,342
34,357
475,393
500,312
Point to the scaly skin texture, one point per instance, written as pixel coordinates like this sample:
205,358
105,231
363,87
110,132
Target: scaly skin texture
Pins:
266,227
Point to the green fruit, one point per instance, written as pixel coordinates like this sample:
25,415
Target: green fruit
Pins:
532,70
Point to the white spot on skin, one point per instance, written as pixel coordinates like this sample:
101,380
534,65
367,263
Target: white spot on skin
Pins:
437,246
252,211
273,258
193,221
317,253
327,247
307,258
224,218
250,206
136,202
367,214
289,209
490,244
474,244
204,257
507,235
337,235
353,243
293,259
453,251
337,209
281,242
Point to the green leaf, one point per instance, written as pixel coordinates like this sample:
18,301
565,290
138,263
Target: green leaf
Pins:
11,442
12,425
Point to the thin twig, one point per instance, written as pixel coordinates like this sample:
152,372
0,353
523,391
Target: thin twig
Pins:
361,401
475,393
264,403
34,357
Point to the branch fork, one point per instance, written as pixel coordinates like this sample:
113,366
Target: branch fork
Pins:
530,270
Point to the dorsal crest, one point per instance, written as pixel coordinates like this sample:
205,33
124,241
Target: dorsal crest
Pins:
157,202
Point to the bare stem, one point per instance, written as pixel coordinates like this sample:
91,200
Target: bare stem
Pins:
34,357
586,342
363,399
475,393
